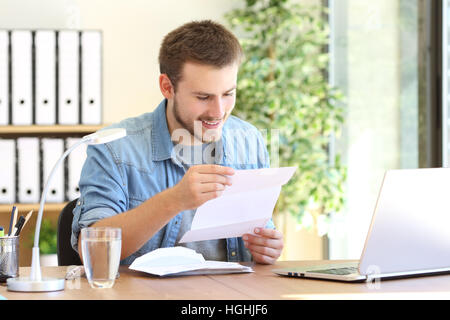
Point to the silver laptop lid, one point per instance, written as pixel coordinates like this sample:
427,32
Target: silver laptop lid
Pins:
410,228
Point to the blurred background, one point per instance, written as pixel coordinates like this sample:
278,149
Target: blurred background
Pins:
385,60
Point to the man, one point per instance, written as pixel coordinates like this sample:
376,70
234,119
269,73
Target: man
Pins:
179,156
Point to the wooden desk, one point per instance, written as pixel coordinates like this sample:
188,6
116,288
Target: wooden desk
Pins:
260,285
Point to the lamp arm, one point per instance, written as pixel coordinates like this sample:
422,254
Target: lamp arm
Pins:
47,185
98,137
35,274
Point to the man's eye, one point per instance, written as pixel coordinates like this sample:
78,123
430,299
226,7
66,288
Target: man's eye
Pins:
202,97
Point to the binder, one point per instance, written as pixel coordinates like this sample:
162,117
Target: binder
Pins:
21,77
68,77
45,76
75,163
91,77
8,171
52,149
28,170
4,77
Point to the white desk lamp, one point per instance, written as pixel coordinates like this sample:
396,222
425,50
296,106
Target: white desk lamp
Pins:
35,282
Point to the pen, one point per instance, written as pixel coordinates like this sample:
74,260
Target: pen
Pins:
11,220
19,225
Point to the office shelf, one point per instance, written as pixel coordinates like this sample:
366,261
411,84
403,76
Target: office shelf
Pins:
59,131
26,207
36,130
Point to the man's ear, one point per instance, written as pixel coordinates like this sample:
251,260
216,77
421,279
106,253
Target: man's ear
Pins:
166,87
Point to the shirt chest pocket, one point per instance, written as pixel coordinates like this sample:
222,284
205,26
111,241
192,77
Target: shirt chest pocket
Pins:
142,184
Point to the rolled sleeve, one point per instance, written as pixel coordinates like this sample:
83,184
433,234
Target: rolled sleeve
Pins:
86,219
102,192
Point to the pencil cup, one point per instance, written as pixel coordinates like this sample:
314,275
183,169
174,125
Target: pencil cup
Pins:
9,258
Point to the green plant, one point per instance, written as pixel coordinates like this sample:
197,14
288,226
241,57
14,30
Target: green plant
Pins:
47,237
282,85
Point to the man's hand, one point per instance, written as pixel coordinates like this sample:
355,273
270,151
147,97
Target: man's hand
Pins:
265,246
200,184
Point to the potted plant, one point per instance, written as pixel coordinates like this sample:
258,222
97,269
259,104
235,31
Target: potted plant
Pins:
47,243
282,85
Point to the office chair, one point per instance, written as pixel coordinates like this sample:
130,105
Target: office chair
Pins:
66,255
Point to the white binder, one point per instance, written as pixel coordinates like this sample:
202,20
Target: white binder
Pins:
8,171
68,77
91,77
75,163
21,77
45,76
4,78
28,170
52,150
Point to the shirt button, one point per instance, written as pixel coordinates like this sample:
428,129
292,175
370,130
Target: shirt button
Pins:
79,203
233,253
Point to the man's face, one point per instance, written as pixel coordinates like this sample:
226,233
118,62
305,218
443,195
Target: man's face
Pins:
204,99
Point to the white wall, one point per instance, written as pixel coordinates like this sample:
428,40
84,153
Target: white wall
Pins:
32,14
132,34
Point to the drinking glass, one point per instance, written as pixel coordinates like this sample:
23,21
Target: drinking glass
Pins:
100,247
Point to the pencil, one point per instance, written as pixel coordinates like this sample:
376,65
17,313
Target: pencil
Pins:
11,225
27,217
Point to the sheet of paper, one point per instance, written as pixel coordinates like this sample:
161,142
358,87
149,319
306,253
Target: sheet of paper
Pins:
245,205
183,261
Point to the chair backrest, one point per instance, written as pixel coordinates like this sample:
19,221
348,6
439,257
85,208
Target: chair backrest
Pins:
66,255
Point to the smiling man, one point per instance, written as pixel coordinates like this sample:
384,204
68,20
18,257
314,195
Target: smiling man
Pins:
179,156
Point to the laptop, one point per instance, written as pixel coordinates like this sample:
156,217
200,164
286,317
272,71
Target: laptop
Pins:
409,234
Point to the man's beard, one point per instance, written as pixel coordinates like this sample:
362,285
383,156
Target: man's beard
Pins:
196,128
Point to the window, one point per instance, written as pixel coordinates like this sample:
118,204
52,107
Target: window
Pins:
376,51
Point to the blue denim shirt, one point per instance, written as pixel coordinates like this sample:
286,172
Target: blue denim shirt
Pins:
122,174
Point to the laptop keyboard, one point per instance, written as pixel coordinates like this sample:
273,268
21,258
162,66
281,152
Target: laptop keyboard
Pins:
337,271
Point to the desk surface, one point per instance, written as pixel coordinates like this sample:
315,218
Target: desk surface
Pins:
262,284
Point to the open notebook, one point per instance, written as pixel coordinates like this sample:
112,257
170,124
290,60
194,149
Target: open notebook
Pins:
178,261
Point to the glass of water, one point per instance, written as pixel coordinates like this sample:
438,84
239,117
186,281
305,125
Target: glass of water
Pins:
101,248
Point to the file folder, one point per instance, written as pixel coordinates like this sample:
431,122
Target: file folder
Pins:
45,76
8,171
52,150
4,77
68,77
91,77
28,170
21,77
75,163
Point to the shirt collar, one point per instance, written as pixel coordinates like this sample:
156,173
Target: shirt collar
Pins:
162,144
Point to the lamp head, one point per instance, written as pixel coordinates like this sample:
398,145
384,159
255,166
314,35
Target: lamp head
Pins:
104,136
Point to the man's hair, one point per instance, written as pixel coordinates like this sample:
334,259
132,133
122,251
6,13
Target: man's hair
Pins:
204,42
